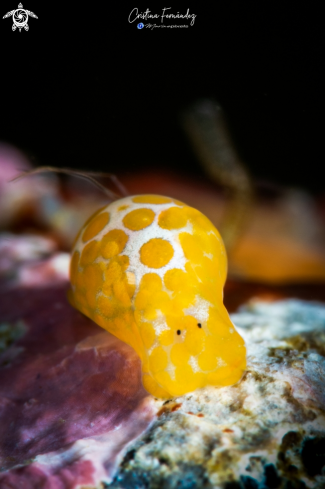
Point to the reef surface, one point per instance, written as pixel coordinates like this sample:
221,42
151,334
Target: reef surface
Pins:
71,397
73,412
268,431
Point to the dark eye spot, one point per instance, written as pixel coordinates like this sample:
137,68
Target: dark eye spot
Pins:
178,331
199,325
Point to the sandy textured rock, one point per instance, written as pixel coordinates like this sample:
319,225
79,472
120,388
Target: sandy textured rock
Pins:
268,431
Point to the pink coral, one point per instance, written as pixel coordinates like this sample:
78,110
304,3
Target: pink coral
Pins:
63,381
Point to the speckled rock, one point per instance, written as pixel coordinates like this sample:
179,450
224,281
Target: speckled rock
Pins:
268,431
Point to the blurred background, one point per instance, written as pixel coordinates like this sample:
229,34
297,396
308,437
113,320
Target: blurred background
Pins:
86,89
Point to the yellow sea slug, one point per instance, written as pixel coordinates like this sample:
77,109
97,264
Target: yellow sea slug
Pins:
151,270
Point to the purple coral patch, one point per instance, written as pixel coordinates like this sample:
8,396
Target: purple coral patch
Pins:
63,381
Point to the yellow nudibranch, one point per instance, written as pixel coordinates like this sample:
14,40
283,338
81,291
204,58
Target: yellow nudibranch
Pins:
151,270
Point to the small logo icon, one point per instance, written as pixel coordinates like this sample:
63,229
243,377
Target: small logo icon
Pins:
20,18
140,26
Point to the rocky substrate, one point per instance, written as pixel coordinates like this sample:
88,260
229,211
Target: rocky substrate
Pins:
73,412
268,431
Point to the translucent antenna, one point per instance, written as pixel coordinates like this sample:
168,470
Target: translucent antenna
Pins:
206,127
81,174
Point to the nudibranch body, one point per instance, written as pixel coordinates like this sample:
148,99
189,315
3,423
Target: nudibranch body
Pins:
151,270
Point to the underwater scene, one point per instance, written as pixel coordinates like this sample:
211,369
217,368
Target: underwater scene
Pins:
162,248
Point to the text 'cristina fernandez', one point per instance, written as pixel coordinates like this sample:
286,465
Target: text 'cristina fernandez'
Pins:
147,15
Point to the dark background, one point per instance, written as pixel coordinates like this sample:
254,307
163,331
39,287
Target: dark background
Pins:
86,89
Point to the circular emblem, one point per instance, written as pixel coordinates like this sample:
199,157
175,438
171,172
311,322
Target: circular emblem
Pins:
20,18
140,26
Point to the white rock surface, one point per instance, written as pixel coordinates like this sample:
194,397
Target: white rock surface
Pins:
268,431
